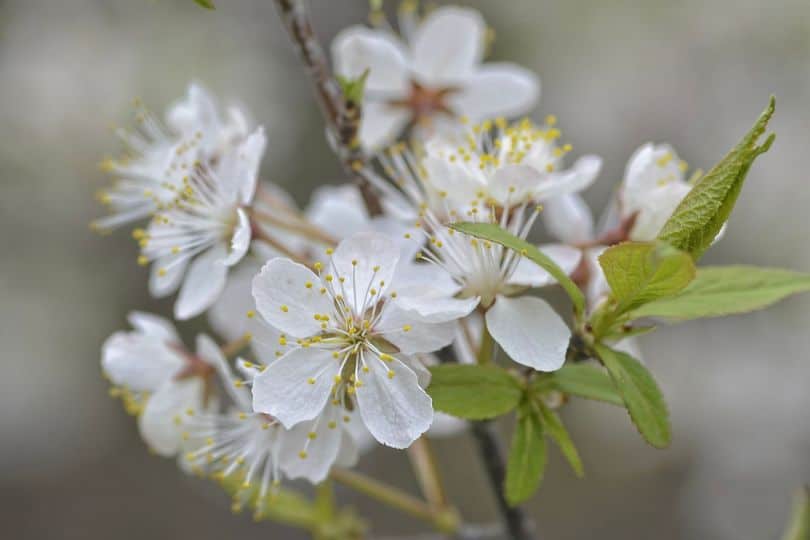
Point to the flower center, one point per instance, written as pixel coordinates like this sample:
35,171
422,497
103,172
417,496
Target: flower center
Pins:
424,102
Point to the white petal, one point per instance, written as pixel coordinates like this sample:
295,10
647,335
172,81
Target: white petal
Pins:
461,182
240,240
573,180
161,423
285,300
139,362
381,124
448,45
529,274
228,316
497,89
597,288
529,331
238,169
173,267
395,409
209,352
649,167
196,111
349,452
357,48
203,283
296,387
311,448
366,261
512,184
411,276
153,326
434,305
568,218
411,334
658,206
339,210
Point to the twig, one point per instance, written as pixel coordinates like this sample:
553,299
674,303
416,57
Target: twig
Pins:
489,447
342,116
427,472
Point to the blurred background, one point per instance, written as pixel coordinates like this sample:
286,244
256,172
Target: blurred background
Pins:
616,72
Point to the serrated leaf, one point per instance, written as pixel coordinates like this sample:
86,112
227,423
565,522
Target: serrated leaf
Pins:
527,458
726,290
798,527
696,221
585,381
554,428
640,394
489,231
639,272
473,392
207,4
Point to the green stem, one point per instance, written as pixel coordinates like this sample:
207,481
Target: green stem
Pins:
486,347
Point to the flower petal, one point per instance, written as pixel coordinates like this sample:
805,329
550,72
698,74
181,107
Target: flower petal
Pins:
649,167
381,123
288,296
196,111
394,407
153,326
296,387
311,448
203,283
139,362
160,423
172,268
209,352
366,261
339,210
658,206
497,89
573,180
529,274
529,331
434,305
448,45
411,333
512,184
358,48
568,218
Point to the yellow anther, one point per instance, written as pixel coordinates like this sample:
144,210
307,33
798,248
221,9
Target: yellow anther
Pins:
332,424
329,251
391,373
318,266
406,328
312,435
162,272
354,262
251,314
302,454
308,284
284,308
143,260
310,381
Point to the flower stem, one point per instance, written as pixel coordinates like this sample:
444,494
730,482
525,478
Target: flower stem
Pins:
232,348
486,347
341,115
445,520
423,460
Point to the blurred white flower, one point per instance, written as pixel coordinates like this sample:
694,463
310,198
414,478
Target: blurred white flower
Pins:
160,380
497,180
352,332
433,74
205,231
150,176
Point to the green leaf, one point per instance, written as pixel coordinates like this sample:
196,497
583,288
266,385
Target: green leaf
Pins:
353,87
585,381
640,393
725,290
798,527
207,4
555,429
639,272
473,392
489,231
527,458
696,221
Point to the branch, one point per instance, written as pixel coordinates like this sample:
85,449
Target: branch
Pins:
342,116
489,447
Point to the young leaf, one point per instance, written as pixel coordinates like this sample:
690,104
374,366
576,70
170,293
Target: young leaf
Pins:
473,392
527,458
798,528
555,429
725,290
640,393
353,88
585,381
639,272
207,4
700,215
489,231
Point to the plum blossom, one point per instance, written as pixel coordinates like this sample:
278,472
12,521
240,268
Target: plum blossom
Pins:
159,155
160,380
498,180
431,75
206,230
352,329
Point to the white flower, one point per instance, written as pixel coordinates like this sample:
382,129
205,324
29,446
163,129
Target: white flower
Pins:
653,186
434,74
495,180
352,334
205,231
161,381
151,175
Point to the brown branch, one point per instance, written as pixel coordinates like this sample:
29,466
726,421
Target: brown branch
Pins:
342,116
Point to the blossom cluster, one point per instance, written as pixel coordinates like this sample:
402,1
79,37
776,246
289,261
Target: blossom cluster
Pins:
328,317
